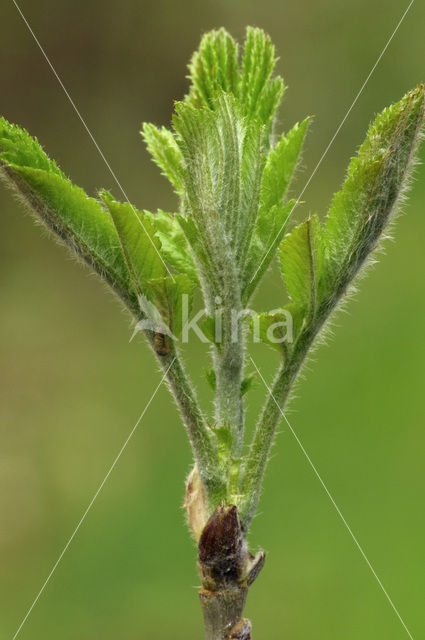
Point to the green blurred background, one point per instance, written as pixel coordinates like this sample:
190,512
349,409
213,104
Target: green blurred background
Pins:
72,386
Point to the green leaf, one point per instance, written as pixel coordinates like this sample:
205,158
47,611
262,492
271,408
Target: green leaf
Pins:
77,220
302,262
174,245
211,378
192,236
252,167
275,328
248,382
361,211
224,162
163,147
259,94
202,152
140,244
214,68
211,146
268,106
319,263
167,294
224,443
210,143
280,166
142,249
270,227
272,217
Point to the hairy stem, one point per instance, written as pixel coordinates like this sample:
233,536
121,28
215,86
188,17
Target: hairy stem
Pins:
253,469
228,361
200,435
223,302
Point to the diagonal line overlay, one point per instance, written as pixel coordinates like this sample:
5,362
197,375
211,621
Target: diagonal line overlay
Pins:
102,484
322,157
254,364
90,134
346,525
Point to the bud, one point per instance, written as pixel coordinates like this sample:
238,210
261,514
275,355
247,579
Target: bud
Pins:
241,630
160,345
222,549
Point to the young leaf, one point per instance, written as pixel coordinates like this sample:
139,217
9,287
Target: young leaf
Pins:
252,168
214,68
272,217
270,226
167,294
277,328
162,146
280,166
142,249
259,94
248,382
302,264
233,192
224,164
319,263
174,245
210,377
140,244
302,261
78,221
194,239
212,186
376,178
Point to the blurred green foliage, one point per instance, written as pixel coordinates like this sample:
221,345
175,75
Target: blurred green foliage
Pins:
72,386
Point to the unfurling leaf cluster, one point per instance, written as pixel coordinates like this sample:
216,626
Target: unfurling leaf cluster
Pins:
232,173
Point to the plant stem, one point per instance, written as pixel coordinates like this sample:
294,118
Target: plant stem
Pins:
252,471
227,570
228,361
200,435
222,612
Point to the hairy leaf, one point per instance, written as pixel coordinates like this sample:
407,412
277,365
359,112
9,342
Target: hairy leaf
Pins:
319,263
302,261
214,68
259,94
203,177
278,328
361,211
142,249
77,220
190,231
168,295
232,184
252,167
266,233
140,244
280,166
163,147
211,146
269,229
174,245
